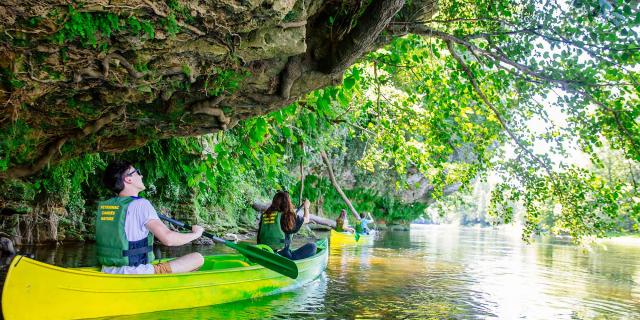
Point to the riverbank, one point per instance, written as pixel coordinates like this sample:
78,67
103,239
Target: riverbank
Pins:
626,239
615,238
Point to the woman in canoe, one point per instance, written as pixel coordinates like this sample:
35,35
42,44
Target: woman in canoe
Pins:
342,223
280,222
126,225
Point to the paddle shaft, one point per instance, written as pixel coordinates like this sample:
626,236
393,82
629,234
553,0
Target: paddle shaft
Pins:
186,226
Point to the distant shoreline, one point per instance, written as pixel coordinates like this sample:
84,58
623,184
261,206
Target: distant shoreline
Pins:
627,240
617,238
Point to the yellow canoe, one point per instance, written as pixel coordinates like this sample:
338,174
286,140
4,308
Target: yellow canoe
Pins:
36,290
339,239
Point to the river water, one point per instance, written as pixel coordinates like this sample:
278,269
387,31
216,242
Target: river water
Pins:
439,272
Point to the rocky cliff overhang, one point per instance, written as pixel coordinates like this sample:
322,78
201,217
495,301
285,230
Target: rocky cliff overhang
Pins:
108,76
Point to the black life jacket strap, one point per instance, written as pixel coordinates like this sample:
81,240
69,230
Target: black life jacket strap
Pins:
137,248
136,251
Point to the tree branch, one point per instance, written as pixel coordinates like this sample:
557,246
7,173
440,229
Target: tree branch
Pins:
325,159
616,117
132,71
495,111
568,85
301,180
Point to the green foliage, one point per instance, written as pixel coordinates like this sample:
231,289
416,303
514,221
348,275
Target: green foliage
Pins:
186,70
83,107
87,28
9,79
93,29
141,66
291,16
65,185
136,26
450,104
171,24
179,10
16,144
148,29
380,204
224,81
428,115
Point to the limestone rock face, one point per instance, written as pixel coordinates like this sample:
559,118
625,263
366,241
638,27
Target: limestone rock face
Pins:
113,75
274,42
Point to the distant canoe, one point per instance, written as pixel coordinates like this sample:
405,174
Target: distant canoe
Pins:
339,239
36,290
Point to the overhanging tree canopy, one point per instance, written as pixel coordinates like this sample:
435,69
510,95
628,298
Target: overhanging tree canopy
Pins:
108,77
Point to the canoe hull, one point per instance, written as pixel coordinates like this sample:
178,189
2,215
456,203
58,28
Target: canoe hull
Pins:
340,239
36,290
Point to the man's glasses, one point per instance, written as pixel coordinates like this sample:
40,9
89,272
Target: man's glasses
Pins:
134,171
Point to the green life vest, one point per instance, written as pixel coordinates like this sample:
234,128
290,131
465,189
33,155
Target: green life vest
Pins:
271,233
339,225
359,228
114,249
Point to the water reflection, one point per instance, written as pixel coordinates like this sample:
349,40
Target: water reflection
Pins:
438,272
545,280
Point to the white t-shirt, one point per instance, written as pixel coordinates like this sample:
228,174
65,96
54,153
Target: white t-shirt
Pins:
139,212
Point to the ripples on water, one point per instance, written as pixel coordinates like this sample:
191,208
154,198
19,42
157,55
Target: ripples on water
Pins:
439,272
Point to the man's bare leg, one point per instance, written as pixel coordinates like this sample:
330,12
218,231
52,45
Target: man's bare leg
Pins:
187,263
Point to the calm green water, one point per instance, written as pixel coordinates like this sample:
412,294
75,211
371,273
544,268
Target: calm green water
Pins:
439,272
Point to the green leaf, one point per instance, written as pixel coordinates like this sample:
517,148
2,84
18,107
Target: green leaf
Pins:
286,132
259,130
349,82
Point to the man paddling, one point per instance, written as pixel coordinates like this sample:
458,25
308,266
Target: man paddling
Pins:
362,222
126,225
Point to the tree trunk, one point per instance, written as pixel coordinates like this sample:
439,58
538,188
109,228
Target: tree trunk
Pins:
360,40
319,206
322,221
335,183
301,182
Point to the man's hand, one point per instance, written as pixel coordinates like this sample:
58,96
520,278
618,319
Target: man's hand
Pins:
307,204
197,230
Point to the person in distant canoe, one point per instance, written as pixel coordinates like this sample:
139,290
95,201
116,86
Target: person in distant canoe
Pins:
280,222
342,223
126,225
362,222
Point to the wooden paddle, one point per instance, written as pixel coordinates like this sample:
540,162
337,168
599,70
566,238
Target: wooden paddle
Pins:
264,258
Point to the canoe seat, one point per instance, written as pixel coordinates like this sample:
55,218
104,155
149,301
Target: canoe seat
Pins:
224,264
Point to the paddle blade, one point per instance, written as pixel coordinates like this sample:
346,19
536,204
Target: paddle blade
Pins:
272,261
357,235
